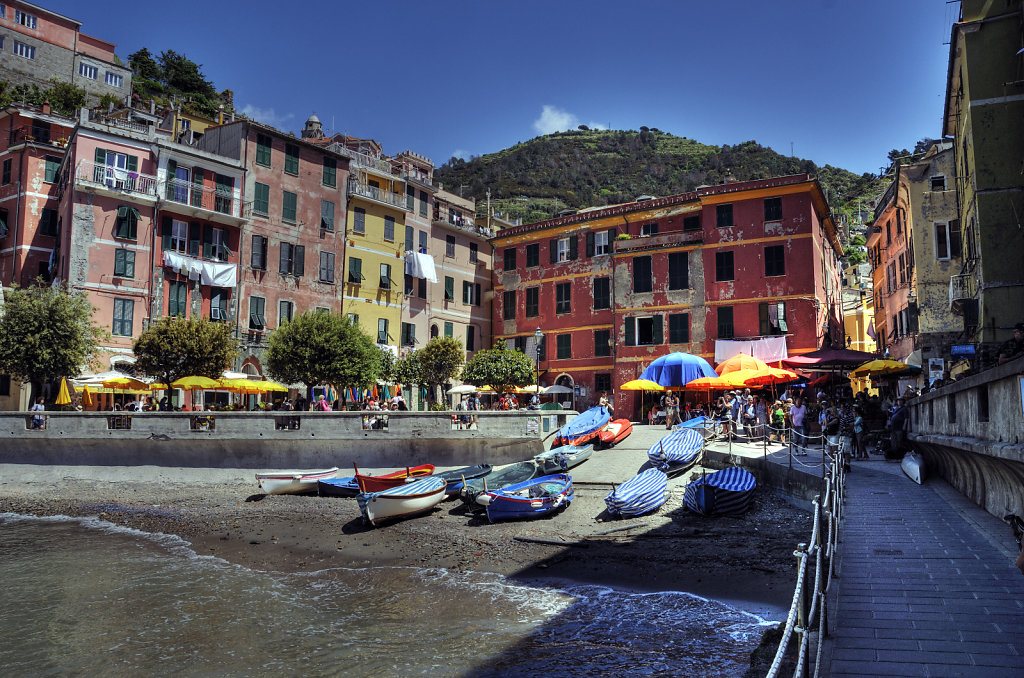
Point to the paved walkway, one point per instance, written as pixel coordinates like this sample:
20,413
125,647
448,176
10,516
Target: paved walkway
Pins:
928,586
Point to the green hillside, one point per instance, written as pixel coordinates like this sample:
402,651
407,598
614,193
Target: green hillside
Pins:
535,179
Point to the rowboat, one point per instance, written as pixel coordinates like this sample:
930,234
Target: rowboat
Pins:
913,466
678,451
383,482
529,499
454,479
709,427
409,499
615,431
720,493
642,493
582,429
509,475
338,487
565,457
293,482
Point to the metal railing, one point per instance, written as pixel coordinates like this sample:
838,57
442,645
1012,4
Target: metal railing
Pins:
198,195
115,179
378,194
129,125
961,287
362,159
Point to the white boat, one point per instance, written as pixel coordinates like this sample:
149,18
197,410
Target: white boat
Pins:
913,466
293,482
404,500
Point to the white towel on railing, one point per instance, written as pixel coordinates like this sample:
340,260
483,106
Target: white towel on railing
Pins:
420,266
207,272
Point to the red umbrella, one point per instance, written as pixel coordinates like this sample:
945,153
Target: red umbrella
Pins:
830,359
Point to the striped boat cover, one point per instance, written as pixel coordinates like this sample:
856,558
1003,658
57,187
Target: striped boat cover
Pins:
677,450
425,486
642,493
720,493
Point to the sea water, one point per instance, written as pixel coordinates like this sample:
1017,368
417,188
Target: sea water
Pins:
84,597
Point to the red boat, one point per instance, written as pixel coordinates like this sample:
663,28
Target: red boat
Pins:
615,431
389,480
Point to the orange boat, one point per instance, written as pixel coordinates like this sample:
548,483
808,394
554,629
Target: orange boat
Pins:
614,432
389,480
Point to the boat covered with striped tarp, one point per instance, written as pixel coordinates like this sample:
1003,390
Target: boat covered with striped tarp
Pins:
405,500
642,493
529,499
708,426
720,493
678,451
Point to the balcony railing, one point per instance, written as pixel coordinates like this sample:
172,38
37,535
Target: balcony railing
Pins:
361,159
102,118
961,287
204,197
378,194
115,179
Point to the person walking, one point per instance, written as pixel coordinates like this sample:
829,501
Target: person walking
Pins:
898,425
749,416
671,409
859,448
797,419
846,433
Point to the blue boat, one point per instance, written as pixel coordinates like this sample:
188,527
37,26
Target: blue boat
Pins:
678,451
720,493
337,487
565,457
529,499
509,475
706,425
457,477
640,494
583,428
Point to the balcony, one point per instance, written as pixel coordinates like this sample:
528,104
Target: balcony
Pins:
380,195
114,179
961,288
461,222
644,242
362,160
205,201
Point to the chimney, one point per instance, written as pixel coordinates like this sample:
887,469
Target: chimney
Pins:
152,106
46,107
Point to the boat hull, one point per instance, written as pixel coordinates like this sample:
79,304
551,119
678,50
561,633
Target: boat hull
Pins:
565,457
615,431
677,452
399,502
583,428
337,487
913,466
389,480
531,499
725,492
293,482
455,479
510,475
643,493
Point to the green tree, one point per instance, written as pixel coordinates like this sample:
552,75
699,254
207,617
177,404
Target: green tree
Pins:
183,75
46,333
408,370
65,98
144,65
323,348
440,361
174,347
501,368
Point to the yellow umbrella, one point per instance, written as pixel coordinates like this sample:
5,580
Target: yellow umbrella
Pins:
876,367
63,398
641,385
157,386
268,386
126,383
86,397
240,386
194,383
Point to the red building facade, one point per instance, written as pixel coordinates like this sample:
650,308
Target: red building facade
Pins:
613,288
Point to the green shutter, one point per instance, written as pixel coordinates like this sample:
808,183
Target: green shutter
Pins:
119,262
99,172
449,288
658,332
195,238
165,232
299,260
133,163
574,247
172,173
590,244
261,203
553,252
355,270
207,241
630,332
197,187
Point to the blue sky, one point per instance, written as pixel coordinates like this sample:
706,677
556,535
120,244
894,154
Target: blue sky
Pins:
842,81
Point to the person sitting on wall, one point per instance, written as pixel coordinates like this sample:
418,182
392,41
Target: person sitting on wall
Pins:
1014,347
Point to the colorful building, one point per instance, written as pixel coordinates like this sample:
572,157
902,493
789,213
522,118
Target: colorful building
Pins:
419,195
751,266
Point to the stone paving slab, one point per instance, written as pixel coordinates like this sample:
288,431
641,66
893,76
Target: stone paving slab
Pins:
927,585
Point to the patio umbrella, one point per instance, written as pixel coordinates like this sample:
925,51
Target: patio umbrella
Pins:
831,359
675,370
740,361
268,386
462,389
641,385
709,383
242,386
556,388
194,383
126,384
86,397
63,398
877,367
771,377
157,386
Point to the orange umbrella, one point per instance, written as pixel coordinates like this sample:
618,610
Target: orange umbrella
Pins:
86,397
709,383
772,376
740,361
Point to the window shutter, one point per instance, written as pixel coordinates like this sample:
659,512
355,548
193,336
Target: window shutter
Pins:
133,163
195,234
955,246
299,260
207,241
611,239
630,332
119,261
197,187
165,232
590,243
554,251
223,304
658,332
99,172
466,287
284,265
449,288
574,247
477,297
324,268
172,171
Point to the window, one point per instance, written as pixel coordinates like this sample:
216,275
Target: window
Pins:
602,382
772,318
947,240
23,50
508,311
291,159
257,316
327,215
470,338
566,248
263,147
564,346
48,223
649,229
938,183
602,343
471,293
292,260
410,198
421,288
410,237
177,298
692,223
449,246
678,270
355,271
41,131
648,331
888,232
532,302
327,267
124,263
124,316
219,303
408,284
52,165
602,293
725,328
473,252
510,258
408,334
88,70
775,260
26,20
261,199
602,241
449,329
563,298
359,220
679,328
330,175
449,288
723,215
285,311
389,229
423,242
7,172
642,274
258,260
215,244
385,277
3,223
382,331
289,203
533,255
5,380
224,190
723,266
423,203
127,222
114,80
773,209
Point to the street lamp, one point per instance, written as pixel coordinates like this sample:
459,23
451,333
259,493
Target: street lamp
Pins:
538,337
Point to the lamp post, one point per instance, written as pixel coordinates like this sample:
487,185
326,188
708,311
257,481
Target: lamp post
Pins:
538,337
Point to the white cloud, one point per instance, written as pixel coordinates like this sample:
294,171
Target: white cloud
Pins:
554,119
597,125
460,153
268,116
